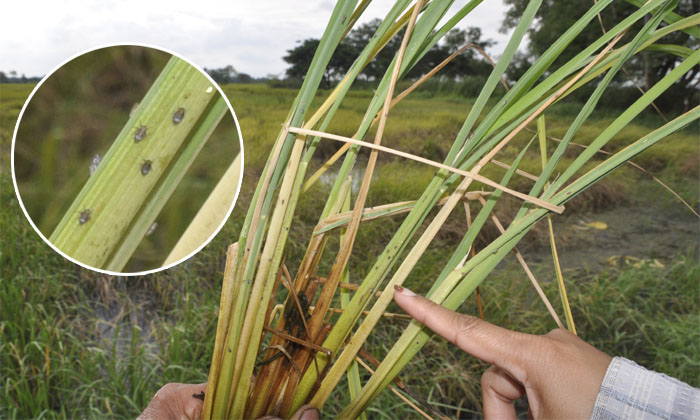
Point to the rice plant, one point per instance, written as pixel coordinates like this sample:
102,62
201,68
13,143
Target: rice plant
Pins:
128,188
286,339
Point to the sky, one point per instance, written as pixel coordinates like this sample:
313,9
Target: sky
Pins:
250,35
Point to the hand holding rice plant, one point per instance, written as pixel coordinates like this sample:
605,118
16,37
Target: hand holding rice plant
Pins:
258,285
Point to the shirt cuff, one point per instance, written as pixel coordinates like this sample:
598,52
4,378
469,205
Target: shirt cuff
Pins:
630,391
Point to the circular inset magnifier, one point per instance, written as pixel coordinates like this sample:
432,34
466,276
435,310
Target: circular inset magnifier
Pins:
127,159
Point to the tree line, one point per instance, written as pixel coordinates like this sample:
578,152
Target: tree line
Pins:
14,77
467,63
469,68
643,70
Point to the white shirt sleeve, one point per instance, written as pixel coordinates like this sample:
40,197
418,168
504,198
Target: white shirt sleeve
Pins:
630,391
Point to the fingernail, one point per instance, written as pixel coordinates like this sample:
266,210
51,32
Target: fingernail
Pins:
310,414
404,290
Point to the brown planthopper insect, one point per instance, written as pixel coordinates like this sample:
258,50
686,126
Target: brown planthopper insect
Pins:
96,160
140,134
146,167
152,228
179,115
84,216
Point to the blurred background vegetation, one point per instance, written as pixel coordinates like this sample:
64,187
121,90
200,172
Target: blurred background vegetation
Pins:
77,113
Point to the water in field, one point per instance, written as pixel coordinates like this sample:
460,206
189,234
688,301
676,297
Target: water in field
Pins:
633,233
629,235
357,173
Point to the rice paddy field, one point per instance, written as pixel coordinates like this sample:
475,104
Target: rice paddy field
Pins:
77,344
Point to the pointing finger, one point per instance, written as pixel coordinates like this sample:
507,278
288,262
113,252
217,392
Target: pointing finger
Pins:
492,344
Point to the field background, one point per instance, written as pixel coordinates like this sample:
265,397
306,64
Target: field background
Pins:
78,344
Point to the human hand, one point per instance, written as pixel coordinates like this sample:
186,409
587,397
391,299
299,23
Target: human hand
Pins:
560,373
305,412
176,401
184,402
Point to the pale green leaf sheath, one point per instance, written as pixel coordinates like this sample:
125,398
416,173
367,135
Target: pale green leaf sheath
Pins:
140,163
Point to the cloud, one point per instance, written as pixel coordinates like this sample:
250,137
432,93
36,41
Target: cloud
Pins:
250,35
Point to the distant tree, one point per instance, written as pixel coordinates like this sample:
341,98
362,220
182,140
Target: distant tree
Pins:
301,56
14,77
244,78
360,36
229,74
341,61
222,75
468,63
554,17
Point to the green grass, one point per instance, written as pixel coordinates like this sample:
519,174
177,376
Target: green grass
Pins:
75,344
78,345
